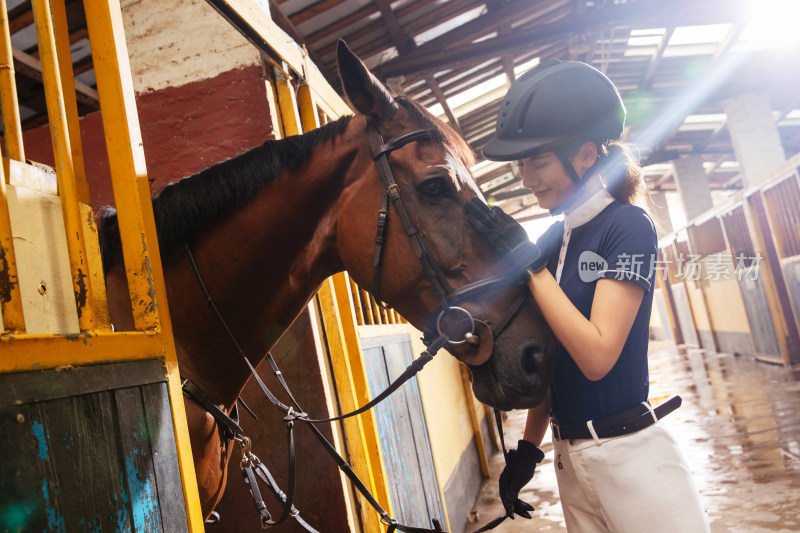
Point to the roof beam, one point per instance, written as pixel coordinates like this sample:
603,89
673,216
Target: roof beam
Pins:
499,197
682,12
30,67
479,27
687,102
311,11
485,24
400,39
494,191
404,45
656,60
504,29
437,91
443,12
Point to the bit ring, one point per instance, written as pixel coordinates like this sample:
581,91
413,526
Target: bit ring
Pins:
471,331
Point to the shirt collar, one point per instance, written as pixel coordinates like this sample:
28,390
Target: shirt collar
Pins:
584,210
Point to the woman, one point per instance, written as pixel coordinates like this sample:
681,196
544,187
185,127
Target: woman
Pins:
618,469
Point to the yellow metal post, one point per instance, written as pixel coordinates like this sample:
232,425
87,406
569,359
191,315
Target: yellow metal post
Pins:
308,108
354,296
135,215
79,266
350,375
287,104
10,300
68,94
125,155
8,92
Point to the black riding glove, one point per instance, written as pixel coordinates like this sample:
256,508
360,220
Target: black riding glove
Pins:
506,235
520,465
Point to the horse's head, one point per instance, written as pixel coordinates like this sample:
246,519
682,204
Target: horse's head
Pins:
512,365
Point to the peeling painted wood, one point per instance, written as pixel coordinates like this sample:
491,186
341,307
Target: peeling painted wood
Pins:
98,461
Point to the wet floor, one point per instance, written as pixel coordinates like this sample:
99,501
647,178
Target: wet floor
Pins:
739,428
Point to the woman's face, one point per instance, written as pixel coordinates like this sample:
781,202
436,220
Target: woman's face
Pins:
545,176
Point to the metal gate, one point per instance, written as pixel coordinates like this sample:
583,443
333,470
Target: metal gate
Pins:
94,433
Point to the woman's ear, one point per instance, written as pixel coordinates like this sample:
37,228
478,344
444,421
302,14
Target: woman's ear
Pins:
585,158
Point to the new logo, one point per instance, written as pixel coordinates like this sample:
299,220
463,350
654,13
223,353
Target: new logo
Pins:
590,265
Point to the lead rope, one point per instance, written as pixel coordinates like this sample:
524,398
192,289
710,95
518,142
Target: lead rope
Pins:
250,465
500,519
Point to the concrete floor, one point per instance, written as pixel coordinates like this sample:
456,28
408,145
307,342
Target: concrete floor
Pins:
739,428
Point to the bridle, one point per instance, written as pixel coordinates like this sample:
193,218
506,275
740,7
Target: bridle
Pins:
448,297
434,339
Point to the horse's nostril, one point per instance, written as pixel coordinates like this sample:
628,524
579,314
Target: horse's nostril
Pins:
531,357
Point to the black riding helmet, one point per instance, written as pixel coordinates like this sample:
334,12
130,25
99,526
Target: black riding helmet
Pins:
552,105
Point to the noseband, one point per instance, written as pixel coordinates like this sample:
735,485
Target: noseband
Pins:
447,296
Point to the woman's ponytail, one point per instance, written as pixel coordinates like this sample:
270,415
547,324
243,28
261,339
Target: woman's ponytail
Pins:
622,173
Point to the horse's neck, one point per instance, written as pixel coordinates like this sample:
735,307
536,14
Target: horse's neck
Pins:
261,265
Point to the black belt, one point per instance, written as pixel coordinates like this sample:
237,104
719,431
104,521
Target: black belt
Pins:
629,421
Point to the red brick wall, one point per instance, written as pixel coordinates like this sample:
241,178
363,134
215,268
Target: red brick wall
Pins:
184,129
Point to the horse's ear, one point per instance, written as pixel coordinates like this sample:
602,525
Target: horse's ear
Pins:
368,95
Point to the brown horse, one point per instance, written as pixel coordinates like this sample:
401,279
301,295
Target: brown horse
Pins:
267,227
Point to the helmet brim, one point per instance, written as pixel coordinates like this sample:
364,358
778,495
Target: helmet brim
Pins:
516,149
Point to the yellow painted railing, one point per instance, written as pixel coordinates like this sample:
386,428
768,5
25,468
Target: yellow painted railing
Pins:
12,126
95,342
65,170
10,299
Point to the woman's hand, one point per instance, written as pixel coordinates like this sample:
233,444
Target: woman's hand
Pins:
594,344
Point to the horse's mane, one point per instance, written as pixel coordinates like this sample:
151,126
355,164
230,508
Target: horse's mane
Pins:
186,205
183,207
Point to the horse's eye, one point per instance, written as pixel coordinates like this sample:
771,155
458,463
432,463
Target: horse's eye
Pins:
434,187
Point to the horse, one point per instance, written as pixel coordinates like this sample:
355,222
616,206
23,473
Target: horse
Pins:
267,227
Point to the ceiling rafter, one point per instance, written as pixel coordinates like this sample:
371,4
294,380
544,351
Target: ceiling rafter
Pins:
452,63
680,12
329,50
404,45
656,60
31,67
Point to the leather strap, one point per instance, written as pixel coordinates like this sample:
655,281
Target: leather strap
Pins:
498,417
380,152
296,413
230,428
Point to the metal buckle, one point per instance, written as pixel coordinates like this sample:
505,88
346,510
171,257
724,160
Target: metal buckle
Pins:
555,429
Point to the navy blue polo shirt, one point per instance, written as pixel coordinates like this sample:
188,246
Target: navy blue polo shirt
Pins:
615,241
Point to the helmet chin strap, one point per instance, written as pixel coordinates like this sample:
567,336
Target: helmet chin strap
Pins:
573,175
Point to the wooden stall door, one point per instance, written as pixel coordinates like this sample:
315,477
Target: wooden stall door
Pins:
684,311
762,323
406,447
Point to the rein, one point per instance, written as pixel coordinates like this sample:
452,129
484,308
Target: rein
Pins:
434,339
251,465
